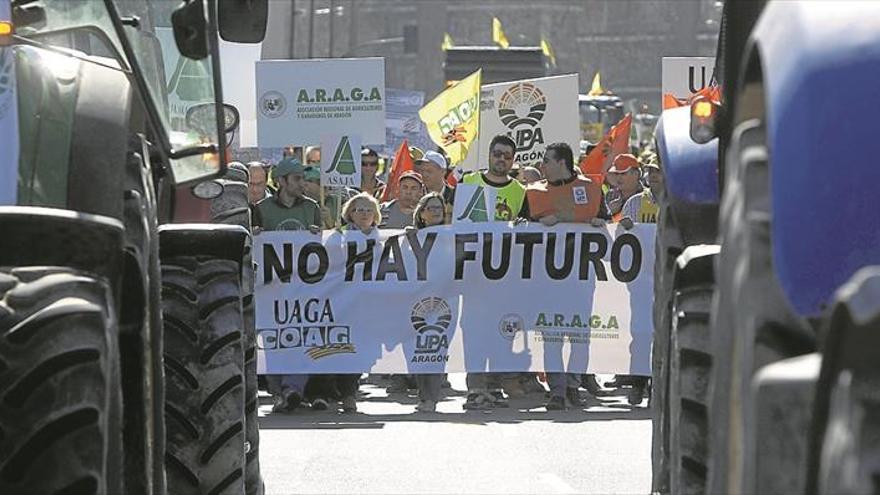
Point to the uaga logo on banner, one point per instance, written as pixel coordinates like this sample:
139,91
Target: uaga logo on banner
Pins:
430,319
309,325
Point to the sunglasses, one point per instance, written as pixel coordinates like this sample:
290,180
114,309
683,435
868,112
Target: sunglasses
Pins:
369,164
501,154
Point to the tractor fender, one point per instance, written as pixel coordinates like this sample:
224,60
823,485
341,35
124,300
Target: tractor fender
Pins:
203,239
696,264
40,236
823,226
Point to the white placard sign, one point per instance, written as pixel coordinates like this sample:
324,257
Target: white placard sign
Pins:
341,161
486,296
301,101
683,76
533,112
474,203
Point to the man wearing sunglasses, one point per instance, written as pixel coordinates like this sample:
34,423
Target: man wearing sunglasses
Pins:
510,202
485,389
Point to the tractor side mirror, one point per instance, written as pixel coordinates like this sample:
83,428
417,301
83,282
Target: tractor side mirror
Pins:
201,117
242,21
190,26
704,113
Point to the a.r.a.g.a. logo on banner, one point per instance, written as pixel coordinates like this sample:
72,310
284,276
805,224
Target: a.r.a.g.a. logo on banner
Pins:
474,203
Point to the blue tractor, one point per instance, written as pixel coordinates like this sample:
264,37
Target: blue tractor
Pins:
767,303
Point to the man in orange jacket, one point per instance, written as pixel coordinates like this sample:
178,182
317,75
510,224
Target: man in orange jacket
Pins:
564,196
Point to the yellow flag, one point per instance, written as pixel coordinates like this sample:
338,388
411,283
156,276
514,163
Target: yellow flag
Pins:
453,117
498,35
596,90
447,42
548,50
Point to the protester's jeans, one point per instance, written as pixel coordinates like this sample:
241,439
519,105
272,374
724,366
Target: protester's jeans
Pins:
561,382
280,384
429,386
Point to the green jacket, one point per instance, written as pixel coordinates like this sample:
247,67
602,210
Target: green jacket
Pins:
275,216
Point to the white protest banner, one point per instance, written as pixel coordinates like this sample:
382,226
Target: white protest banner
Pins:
301,101
466,297
474,203
341,162
683,76
8,120
533,112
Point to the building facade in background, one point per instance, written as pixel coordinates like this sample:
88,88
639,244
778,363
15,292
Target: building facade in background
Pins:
623,40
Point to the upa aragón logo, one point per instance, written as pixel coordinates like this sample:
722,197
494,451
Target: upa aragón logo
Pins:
522,104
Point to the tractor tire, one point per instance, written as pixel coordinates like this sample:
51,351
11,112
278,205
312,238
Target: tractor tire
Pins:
688,393
60,396
752,324
667,247
204,369
253,480
845,456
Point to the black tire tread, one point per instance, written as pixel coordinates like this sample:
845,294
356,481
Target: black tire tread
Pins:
204,400
57,333
689,388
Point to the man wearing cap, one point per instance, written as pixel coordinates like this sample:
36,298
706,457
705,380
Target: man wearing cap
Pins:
432,167
288,210
398,213
370,184
643,207
625,175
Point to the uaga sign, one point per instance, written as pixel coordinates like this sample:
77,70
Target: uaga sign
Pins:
468,297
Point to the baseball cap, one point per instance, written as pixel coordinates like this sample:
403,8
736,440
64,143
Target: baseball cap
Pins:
624,163
411,174
434,158
312,173
288,166
416,153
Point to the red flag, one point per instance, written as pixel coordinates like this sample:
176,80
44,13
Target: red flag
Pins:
615,142
402,163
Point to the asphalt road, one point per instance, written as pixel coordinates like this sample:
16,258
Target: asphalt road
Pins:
389,448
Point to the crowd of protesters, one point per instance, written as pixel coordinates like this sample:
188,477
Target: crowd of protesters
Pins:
289,196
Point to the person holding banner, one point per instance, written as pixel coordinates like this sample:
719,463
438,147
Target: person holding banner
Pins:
485,389
510,202
430,211
625,176
564,196
288,210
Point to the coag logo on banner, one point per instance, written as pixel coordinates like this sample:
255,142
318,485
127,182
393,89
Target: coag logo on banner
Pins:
273,104
308,325
510,324
430,319
521,109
